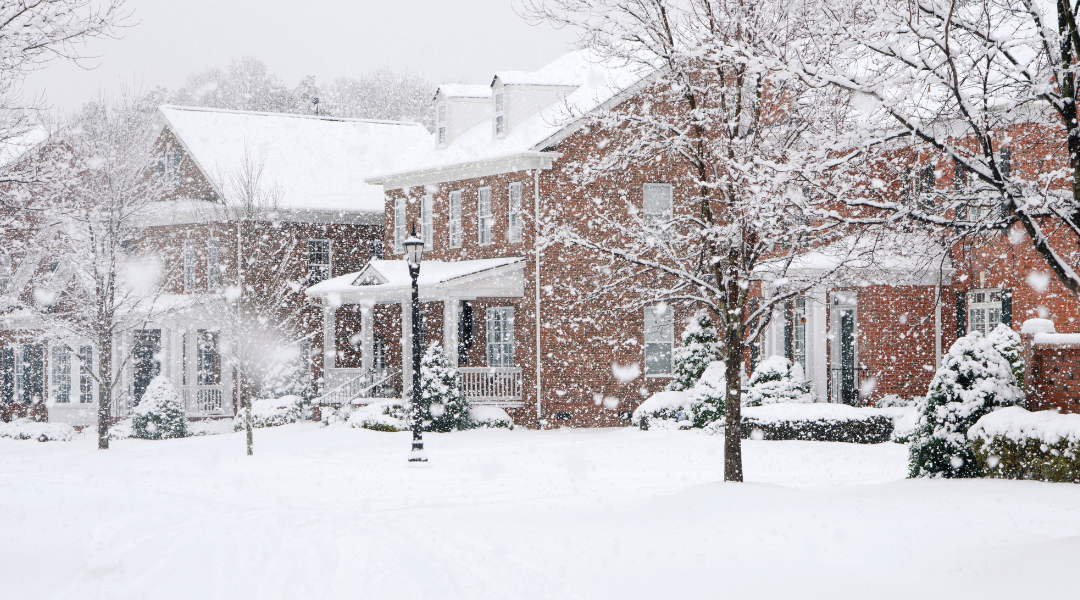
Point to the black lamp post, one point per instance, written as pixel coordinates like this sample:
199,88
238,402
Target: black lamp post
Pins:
414,251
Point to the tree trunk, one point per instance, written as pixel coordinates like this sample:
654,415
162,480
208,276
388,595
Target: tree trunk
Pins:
104,391
733,470
245,402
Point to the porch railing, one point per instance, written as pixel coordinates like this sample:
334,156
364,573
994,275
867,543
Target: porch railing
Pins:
491,385
204,400
122,405
381,383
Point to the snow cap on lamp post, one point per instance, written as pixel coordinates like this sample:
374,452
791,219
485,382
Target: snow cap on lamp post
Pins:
414,248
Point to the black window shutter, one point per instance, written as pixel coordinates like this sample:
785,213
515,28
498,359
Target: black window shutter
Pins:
465,333
961,314
1006,307
788,350
7,375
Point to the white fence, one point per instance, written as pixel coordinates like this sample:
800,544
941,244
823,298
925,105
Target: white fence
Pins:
492,385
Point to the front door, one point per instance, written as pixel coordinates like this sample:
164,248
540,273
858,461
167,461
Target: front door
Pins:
145,356
849,389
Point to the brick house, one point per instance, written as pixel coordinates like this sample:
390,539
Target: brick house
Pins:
316,217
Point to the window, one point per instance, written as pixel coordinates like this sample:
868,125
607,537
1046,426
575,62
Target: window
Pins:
5,271
514,233
86,379
207,360
1005,161
378,354
500,337
656,203
440,124
426,228
376,249
190,265
984,310
500,115
318,260
60,374
659,339
455,219
213,264
27,373
399,225
922,187
169,166
483,215
961,175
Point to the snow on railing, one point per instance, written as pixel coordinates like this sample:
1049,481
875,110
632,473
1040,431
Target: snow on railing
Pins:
368,384
491,385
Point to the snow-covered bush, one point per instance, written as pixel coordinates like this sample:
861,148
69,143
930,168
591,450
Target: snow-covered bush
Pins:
490,417
1013,443
272,412
1008,344
822,422
700,348
974,379
707,396
389,415
776,380
665,410
892,401
160,414
441,398
26,429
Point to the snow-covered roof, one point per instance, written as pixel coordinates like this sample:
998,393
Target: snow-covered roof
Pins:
317,163
460,90
389,278
596,82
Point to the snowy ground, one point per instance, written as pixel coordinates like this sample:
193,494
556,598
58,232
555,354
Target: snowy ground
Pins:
608,513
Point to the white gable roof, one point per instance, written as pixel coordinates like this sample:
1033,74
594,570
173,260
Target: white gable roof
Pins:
317,163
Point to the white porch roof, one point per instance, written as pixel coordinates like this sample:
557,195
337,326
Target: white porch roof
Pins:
389,281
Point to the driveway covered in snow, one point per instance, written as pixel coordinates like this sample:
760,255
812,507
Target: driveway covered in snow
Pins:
616,513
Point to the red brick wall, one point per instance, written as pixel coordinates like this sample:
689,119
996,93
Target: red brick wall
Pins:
1052,376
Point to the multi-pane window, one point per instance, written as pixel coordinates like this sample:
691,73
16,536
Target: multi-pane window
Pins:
426,220
191,263
514,232
213,264
378,354
500,337
484,220
399,225
318,260
86,379
659,339
984,310
656,203
798,331
207,359
60,374
22,375
455,219
440,123
500,115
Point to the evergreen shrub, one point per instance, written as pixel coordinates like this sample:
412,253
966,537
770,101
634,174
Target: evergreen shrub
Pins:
160,414
1013,443
444,405
775,380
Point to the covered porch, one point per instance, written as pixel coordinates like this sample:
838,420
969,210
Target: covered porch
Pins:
363,313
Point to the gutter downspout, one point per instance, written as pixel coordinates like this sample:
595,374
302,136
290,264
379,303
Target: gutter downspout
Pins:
536,249
937,323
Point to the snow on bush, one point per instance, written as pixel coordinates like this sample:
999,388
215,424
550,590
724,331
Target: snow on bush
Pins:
776,380
271,412
700,348
708,395
816,422
490,417
444,405
974,380
892,401
389,415
664,410
1008,344
1013,443
160,414
26,429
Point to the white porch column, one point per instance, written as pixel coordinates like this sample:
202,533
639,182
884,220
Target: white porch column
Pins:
367,336
450,328
329,339
817,352
406,349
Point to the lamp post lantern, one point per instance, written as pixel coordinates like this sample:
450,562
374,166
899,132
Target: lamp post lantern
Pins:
414,251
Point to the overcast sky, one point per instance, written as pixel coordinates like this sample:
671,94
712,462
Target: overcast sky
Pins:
446,40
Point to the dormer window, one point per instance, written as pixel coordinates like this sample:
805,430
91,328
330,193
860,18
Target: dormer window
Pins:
500,115
440,124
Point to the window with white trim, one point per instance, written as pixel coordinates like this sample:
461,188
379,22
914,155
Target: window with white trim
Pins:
484,219
213,264
659,340
500,336
426,221
656,203
191,262
514,230
984,310
500,114
318,260
455,219
86,379
399,225
440,124
60,374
